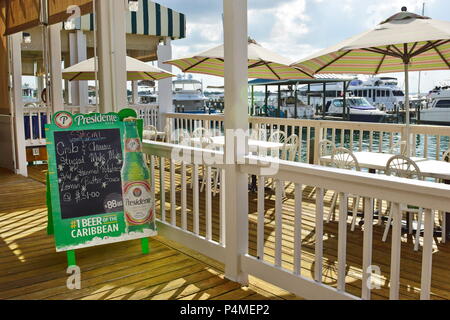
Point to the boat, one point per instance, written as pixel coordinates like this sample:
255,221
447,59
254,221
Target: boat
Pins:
383,92
188,95
438,111
359,109
304,111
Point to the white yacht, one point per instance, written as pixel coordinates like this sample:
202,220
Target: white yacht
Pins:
379,91
438,111
359,109
442,88
188,95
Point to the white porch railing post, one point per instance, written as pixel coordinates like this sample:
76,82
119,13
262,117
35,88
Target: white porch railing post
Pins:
236,117
165,98
19,128
111,43
56,98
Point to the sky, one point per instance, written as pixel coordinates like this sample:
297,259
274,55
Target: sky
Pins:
298,28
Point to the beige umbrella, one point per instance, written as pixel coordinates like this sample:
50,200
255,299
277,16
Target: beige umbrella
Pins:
404,42
136,70
262,64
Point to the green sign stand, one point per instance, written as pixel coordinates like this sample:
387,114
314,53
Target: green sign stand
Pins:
84,187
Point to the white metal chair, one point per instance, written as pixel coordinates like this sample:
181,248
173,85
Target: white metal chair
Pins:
399,148
446,158
207,143
278,137
290,149
404,167
150,133
343,158
290,152
326,148
200,133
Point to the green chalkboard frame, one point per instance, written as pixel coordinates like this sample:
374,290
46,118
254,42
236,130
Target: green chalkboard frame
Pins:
62,228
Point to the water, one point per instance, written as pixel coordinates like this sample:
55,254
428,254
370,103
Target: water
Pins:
385,140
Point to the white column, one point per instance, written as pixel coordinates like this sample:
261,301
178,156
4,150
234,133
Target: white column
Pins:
236,117
56,99
78,53
18,105
135,92
165,99
111,49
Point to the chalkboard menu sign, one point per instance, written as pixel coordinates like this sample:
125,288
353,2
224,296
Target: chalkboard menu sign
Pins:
86,156
88,168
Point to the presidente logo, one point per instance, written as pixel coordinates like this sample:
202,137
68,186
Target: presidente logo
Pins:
81,119
63,119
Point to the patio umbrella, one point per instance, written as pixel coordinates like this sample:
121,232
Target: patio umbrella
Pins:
404,42
136,70
262,64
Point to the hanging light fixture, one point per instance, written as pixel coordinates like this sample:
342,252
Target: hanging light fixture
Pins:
133,5
26,37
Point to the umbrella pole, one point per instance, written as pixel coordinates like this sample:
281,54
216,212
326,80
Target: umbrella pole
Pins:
407,111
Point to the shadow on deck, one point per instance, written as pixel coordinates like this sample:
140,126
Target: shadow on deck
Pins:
31,269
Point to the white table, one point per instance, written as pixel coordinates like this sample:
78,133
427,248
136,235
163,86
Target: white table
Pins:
435,169
372,160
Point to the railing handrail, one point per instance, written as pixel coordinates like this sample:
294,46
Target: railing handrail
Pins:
349,125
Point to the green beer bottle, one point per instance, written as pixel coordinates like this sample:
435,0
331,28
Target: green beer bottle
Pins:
137,196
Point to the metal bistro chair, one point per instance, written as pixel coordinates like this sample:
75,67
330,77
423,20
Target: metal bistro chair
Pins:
326,148
207,143
277,137
150,133
446,158
403,167
290,152
399,148
343,158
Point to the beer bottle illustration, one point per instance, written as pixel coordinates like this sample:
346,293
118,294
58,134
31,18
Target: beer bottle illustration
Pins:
137,196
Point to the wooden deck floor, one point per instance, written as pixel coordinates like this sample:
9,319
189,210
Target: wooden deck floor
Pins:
31,269
29,254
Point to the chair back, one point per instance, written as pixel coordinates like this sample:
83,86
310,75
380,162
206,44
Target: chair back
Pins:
200,132
403,167
291,148
446,156
277,137
343,158
206,142
326,148
150,133
399,148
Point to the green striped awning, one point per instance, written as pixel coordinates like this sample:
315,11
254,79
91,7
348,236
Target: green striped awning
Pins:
151,19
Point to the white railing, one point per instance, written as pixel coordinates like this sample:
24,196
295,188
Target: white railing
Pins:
80,109
285,270
179,222
149,113
280,263
35,119
430,141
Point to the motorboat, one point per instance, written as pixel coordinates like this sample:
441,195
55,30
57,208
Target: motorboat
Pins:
358,109
188,95
438,111
380,91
